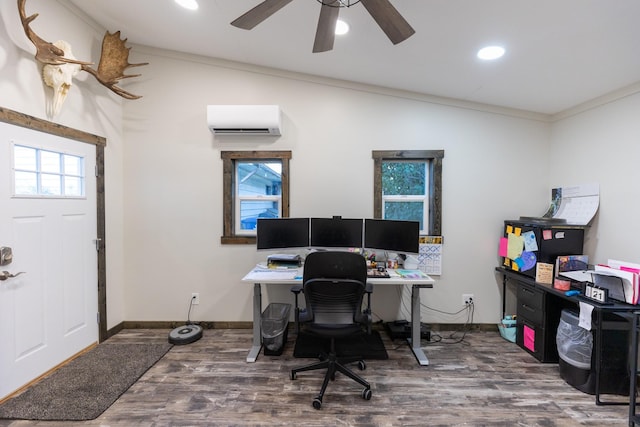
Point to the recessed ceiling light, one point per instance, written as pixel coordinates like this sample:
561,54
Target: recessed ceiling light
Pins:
341,27
491,52
188,4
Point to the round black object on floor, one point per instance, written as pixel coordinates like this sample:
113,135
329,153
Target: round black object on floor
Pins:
185,334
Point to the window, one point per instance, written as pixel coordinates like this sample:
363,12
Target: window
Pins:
256,185
46,173
408,186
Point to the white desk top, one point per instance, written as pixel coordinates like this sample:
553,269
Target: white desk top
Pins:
294,276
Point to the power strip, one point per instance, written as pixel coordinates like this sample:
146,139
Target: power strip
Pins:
402,330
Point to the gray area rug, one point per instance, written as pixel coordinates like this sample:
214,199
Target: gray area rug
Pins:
85,387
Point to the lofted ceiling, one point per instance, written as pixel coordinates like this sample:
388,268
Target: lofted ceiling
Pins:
559,53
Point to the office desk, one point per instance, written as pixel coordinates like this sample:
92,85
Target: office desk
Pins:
555,301
278,278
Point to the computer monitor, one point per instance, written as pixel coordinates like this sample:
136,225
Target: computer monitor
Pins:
392,235
336,233
282,233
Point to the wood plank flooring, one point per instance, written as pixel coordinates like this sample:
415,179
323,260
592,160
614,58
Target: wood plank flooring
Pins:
481,381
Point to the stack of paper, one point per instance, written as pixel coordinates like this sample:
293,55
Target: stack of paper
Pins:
630,275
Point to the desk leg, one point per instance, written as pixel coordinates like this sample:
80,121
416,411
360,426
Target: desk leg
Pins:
257,332
598,355
504,295
633,374
414,341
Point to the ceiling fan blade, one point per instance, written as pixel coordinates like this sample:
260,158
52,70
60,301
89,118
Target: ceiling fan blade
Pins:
326,31
389,19
259,13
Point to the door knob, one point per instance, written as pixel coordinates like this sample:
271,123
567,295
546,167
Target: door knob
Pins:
6,275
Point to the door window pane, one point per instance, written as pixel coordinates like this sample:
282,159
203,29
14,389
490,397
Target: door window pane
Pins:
25,158
47,173
26,183
72,165
50,184
49,162
73,186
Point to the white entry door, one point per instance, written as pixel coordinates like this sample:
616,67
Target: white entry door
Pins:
48,219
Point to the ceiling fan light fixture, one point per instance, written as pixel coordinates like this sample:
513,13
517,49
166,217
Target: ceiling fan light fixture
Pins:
338,3
341,27
490,53
188,4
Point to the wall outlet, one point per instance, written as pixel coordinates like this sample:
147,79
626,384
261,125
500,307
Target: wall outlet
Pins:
195,298
467,299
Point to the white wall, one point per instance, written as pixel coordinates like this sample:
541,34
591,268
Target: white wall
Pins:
602,145
495,168
89,107
164,178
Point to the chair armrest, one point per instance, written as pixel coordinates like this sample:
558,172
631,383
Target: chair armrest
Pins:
296,289
367,312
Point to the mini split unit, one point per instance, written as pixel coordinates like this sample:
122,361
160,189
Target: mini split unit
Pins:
244,119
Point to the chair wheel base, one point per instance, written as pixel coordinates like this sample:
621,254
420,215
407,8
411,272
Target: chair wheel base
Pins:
317,403
366,394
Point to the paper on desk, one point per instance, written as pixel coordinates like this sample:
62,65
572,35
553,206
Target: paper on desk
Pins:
258,274
411,274
630,281
577,275
585,315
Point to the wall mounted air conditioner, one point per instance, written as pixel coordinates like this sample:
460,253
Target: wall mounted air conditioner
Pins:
244,119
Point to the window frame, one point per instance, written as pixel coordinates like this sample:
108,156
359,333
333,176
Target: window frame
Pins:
434,174
229,158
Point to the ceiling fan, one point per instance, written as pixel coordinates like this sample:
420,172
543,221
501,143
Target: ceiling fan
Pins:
382,11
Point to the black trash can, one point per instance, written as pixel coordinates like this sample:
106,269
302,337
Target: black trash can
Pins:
577,356
275,325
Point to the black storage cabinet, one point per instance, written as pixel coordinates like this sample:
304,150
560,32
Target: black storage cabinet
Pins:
537,314
552,238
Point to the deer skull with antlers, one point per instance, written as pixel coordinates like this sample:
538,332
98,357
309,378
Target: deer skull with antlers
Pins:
60,78
59,65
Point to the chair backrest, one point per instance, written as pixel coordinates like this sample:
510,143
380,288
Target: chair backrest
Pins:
335,265
334,285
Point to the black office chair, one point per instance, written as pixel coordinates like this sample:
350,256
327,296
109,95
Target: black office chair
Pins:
333,286
300,314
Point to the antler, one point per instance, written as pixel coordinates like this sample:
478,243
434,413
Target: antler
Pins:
114,59
46,52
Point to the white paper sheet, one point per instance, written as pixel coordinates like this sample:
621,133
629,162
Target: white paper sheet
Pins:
270,275
585,315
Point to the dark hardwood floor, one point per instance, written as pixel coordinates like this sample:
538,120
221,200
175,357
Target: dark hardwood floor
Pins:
481,381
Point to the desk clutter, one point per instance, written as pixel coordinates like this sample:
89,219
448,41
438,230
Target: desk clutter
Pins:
615,281
284,260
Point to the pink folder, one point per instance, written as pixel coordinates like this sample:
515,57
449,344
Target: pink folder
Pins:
529,338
